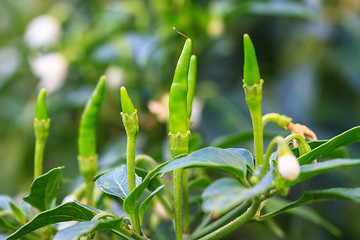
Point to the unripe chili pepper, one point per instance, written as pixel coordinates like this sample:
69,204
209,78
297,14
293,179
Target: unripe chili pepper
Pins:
87,129
130,121
41,127
41,111
178,125
87,138
253,94
251,68
178,92
191,84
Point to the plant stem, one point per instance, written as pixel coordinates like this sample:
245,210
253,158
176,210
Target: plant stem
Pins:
220,222
89,193
38,161
231,226
130,156
186,206
178,202
256,117
253,95
179,147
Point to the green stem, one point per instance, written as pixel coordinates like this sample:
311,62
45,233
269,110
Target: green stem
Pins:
178,202
253,94
303,145
38,161
234,224
89,193
256,117
130,156
186,206
220,222
281,120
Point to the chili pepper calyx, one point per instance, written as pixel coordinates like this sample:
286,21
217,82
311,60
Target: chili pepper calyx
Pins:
179,144
88,166
131,123
253,93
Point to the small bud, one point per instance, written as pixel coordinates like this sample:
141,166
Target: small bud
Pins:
289,167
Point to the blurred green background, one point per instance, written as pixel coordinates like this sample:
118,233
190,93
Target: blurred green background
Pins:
308,53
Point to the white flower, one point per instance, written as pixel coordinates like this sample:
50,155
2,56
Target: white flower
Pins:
114,76
42,31
52,69
289,167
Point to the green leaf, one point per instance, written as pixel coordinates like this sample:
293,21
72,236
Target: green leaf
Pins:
310,170
200,182
274,204
115,182
220,159
18,212
226,193
155,182
44,189
350,194
146,203
237,138
245,155
71,211
211,157
4,202
340,152
348,137
83,228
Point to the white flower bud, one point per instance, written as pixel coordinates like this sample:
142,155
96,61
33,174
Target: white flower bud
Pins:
289,167
42,31
52,69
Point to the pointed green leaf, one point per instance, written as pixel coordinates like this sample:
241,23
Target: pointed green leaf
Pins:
83,228
340,152
115,182
226,193
71,211
211,157
350,194
311,170
44,189
245,155
275,203
146,203
237,138
220,159
18,212
348,137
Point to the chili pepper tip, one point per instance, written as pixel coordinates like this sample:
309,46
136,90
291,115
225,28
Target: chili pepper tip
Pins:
41,111
126,104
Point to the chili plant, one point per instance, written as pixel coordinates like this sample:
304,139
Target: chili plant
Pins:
253,193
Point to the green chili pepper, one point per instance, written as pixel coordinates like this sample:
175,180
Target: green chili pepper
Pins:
87,138
126,104
87,129
178,92
41,111
253,94
251,68
191,84
41,127
130,121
